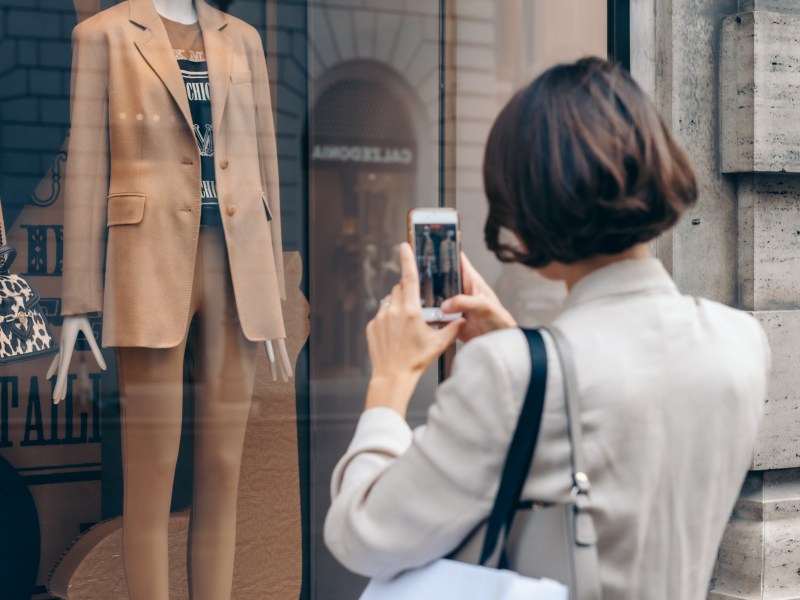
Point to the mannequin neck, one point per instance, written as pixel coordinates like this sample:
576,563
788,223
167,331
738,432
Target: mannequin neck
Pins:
180,11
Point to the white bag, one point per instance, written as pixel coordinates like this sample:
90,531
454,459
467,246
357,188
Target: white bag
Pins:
452,580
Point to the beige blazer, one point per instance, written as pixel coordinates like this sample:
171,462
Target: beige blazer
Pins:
672,390
132,189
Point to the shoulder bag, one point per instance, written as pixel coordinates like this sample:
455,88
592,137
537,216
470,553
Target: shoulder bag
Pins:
25,333
524,550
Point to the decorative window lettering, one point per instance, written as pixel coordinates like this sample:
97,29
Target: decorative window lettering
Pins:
363,154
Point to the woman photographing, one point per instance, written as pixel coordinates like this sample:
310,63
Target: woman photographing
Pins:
580,173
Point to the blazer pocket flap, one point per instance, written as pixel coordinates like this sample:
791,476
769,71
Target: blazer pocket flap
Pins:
125,209
266,208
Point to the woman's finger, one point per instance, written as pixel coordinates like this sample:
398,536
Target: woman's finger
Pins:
409,278
448,334
467,275
53,366
397,297
465,304
86,328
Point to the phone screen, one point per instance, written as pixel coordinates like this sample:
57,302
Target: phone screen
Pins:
436,246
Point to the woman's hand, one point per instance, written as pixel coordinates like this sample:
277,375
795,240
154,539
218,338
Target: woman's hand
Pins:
401,344
479,304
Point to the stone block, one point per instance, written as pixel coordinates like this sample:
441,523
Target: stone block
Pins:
421,67
473,132
476,57
778,6
321,41
422,7
53,110
20,110
474,82
476,33
427,88
778,442
758,554
475,9
769,242
758,81
12,83
364,22
386,30
341,22
31,23
476,107
47,83
55,54
27,53
408,41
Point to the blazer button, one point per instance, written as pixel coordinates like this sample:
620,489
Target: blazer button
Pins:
231,210
224,163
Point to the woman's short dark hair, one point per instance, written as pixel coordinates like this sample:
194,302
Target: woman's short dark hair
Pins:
580,164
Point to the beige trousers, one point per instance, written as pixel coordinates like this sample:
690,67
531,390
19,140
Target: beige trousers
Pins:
151,390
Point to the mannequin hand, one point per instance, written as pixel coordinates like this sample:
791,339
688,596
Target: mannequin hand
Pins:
69,335
282,359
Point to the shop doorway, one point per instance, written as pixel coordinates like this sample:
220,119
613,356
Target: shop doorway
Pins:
365,175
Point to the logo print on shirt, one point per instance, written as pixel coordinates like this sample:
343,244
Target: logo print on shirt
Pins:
205,141
208,189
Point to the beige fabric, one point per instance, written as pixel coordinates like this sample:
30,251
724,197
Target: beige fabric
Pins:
151,390
268,562
672,390
132,184
184,36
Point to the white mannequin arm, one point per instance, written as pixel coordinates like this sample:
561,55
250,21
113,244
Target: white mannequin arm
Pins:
282,359
69,335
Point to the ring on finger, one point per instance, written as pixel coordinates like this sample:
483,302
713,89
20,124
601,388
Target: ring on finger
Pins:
386,301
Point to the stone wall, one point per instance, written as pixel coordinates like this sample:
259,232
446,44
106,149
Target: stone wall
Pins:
723,76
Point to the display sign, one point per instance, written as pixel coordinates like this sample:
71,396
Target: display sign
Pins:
370,154
55,448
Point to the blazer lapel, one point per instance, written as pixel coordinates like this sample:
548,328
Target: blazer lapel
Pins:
156,49
218,57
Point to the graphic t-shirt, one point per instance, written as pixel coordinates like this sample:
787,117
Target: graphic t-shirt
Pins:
189,51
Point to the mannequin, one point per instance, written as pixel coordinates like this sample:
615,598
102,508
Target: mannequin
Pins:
370,277
172,212
447,259
180,11
427,266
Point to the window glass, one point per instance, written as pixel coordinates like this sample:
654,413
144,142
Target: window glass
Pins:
377,107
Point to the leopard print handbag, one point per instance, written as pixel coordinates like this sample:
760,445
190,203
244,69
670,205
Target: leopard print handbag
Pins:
25,333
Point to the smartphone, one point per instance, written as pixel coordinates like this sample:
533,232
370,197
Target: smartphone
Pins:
435,236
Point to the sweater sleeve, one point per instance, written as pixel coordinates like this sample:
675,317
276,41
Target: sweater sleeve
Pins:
86,180
268,152
403,499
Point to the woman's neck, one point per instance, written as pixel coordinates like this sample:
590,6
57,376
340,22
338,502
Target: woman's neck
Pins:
572,274
180,11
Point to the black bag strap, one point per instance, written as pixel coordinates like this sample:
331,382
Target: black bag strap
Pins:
7,256
520,453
